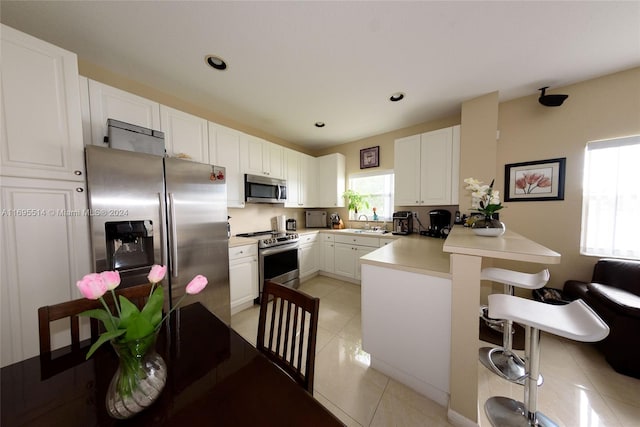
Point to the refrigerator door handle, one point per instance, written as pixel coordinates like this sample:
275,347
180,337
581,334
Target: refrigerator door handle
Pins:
173,241
163,221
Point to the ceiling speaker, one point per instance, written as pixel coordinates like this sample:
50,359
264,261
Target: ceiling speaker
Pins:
550,100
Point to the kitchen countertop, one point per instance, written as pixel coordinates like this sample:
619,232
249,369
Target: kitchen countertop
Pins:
240,241
414,253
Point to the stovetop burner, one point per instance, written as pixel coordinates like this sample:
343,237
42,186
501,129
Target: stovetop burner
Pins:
270,238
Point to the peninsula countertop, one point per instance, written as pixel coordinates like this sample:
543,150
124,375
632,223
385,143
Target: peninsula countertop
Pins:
510,245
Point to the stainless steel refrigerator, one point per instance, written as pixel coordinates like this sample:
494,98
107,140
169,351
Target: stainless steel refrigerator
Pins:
147,209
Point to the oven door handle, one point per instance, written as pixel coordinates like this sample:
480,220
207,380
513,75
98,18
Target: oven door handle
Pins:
277,249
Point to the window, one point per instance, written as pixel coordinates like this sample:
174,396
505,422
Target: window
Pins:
378,187
611,199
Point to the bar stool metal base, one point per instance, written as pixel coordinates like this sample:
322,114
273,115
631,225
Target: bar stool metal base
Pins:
508,366
503,411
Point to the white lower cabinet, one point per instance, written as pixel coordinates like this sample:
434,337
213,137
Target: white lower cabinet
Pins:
243,276
309,255
327,259
44,235
347,252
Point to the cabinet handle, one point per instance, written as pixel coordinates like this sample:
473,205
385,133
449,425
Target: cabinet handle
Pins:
79,189
241,252
77,173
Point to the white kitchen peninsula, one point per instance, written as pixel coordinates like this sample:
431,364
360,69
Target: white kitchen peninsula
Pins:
420,301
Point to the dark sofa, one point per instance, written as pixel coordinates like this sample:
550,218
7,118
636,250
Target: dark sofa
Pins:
614,293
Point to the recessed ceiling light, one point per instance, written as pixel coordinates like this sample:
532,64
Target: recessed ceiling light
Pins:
319,124
216,62
396,97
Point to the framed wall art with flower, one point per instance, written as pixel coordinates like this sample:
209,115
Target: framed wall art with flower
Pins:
534,181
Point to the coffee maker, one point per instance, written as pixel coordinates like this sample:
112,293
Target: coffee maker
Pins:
440,223
402,222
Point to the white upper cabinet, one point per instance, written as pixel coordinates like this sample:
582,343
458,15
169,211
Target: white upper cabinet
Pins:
300,173
426,168
332,180
106,102
41,127
224,150
262,157
185,135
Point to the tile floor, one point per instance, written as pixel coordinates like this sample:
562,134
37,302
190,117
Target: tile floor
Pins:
580,389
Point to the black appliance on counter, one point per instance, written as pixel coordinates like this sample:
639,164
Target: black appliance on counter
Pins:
291,224
403,222
440,223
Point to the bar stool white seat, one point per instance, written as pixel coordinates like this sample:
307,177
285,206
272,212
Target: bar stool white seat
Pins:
502,360
576,321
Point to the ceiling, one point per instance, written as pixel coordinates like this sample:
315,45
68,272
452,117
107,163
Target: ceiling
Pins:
291,64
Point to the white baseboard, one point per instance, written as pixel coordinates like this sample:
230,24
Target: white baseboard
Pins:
459,420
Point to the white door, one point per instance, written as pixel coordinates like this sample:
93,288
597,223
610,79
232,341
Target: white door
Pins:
435,173
345,260
224,150
45,250
185,135
243,281
106,102
41,125
328,260
407,171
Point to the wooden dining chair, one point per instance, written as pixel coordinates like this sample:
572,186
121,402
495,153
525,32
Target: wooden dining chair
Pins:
287,330
136,294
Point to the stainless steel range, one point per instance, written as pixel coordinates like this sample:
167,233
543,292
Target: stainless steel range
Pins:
278,255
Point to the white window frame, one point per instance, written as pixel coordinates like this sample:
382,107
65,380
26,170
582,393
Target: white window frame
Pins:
611,199
388,216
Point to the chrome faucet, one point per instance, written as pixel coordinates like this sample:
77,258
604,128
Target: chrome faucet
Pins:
366,225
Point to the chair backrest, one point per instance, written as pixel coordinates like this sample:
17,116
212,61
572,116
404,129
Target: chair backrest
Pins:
136,294
287,317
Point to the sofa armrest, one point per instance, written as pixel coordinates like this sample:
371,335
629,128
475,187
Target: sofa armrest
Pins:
617,299
618,273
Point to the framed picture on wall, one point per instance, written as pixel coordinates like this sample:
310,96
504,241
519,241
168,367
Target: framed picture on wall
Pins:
370,157
534,181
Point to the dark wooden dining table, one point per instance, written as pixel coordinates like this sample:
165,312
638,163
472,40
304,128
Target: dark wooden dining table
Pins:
215,378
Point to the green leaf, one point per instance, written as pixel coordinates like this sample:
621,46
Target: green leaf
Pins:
138,326
101,315
128,310
152,311
107,336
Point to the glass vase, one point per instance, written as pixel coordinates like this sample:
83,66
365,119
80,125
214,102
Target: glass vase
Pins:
139,379
488,227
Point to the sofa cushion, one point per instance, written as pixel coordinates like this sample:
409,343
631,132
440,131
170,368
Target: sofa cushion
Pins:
623,274
618,299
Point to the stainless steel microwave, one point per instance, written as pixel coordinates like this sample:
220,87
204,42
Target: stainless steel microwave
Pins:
262,189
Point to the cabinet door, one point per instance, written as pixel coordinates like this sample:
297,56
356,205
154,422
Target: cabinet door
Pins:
41,125
243,281
309,181
106,102
333,180
273,159
185,135
345,260
45,250
407,171
292,175
224,150
435,173
251,152
328,260
309,259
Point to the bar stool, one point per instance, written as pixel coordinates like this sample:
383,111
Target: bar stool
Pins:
576,321
502,360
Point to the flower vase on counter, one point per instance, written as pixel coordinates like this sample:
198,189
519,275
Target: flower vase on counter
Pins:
488,227
485,200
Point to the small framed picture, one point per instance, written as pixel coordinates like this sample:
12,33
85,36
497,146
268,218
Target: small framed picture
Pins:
534,181
370,157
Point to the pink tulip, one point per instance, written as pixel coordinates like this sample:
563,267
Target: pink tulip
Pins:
92,286
196,284
157,273
111,279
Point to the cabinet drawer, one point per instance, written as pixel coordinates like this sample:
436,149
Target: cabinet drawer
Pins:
327,237
243,251
308,238
358,240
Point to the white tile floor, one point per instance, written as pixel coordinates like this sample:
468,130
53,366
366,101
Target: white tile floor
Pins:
580,389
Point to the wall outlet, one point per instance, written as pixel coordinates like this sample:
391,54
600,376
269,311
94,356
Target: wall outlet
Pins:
415,215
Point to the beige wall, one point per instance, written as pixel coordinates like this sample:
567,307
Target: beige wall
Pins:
605,107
